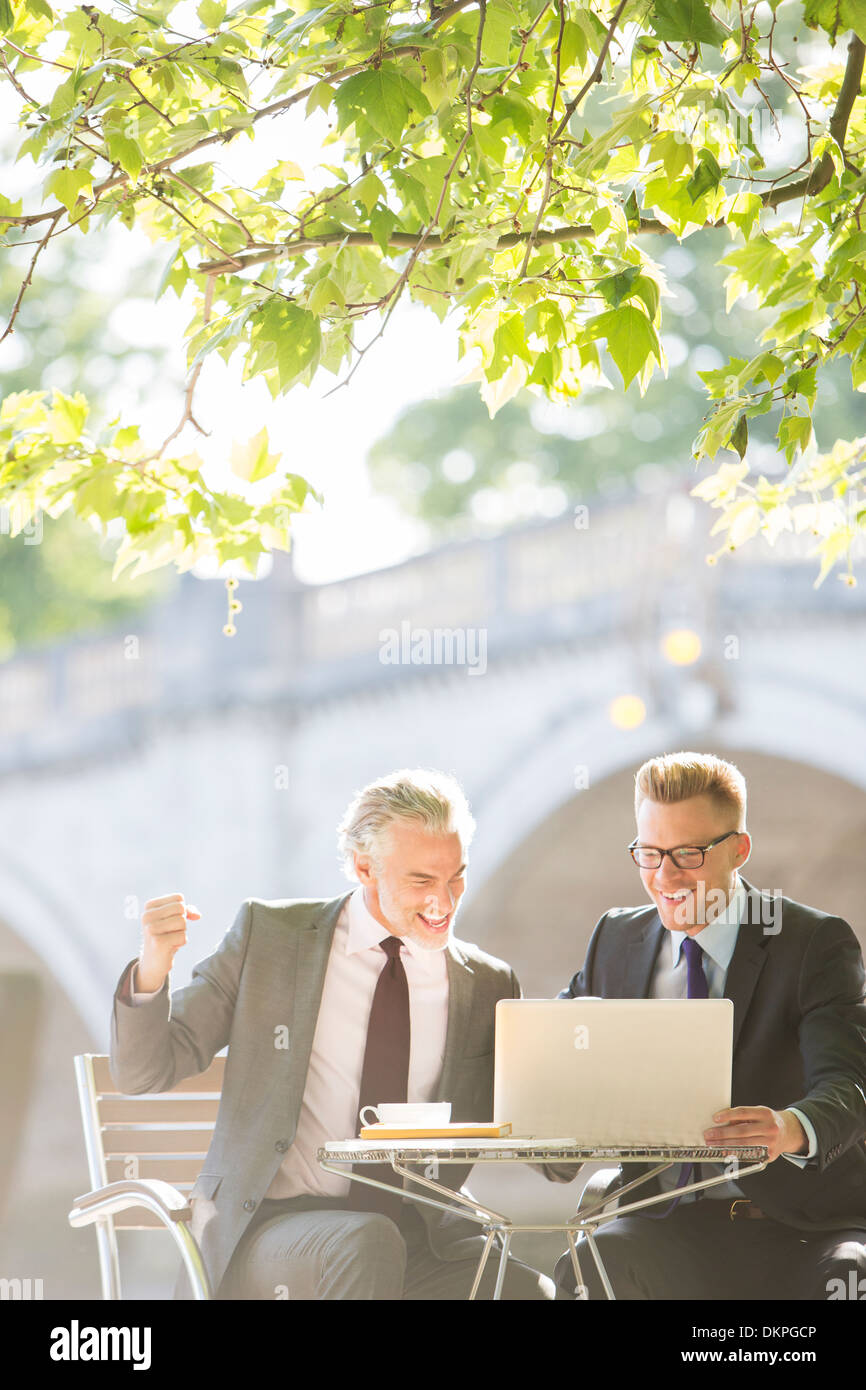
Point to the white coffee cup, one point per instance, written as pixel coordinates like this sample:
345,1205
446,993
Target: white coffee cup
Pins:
409,1115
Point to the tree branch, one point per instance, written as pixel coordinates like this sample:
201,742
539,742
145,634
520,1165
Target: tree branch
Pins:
408,241
594,76
29,276
187,418
818,178
396,289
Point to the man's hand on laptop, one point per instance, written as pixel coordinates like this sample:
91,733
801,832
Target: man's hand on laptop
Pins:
163,927
779,1131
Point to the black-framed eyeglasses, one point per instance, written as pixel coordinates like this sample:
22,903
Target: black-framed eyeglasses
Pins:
684,856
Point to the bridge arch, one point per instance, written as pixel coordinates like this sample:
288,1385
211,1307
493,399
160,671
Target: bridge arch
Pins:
550,857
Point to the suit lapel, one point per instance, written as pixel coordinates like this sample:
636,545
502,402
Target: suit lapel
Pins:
461,982
640,959
748,960
311,962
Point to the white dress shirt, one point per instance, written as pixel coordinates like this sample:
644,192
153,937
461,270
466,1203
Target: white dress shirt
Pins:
670,981
329,1109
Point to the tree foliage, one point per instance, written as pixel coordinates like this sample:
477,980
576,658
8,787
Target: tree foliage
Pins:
513,163
55,575
451,466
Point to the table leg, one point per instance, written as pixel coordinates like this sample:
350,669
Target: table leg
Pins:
503,1265
602,1272
491,1233
575,1263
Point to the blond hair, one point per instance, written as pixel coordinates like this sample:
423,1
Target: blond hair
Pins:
430,799
678,776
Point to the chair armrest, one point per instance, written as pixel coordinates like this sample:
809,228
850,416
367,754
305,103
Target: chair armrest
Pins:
561,1172
603,1184
160,1197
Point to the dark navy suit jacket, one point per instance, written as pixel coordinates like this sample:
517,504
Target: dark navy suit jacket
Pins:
798,987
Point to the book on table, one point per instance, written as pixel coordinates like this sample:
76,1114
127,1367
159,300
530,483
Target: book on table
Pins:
460,1129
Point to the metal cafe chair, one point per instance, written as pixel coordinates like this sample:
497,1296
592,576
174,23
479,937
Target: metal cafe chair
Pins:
144,1153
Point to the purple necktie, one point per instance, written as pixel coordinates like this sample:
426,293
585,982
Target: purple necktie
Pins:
697,982
696,988
385,1074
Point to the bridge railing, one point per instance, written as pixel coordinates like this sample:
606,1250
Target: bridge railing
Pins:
587,575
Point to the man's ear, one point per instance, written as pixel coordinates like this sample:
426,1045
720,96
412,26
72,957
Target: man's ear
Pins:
364,869
745,850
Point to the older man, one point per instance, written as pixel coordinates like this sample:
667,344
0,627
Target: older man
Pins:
795,975
376,1001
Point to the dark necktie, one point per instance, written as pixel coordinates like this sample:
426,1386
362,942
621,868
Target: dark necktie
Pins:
696,988
697,980
385,1075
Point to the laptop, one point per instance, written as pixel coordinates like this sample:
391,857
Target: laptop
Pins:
613,1072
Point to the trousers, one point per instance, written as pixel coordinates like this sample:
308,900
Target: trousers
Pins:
318,1248
697,1252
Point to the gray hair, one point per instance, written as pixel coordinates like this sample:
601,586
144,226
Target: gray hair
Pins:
432,800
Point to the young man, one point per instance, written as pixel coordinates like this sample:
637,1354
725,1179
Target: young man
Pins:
327,1006
796,979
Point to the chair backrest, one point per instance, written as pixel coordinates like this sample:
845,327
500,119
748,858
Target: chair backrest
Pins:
162,1134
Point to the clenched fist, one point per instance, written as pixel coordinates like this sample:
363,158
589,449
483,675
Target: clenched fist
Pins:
163,925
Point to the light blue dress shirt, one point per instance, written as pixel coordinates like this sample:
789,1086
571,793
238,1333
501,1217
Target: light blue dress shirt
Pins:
670,981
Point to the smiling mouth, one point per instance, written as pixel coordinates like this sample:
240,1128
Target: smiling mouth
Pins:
435,924
676,897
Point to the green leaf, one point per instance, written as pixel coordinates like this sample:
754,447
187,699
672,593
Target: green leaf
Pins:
211,13
98,496
740,436
67,184
384,98
369,190
706,177
675,152
125,152
805,384
325,293
382,224
286,337
7,18
744,211
509,343
647,290
675,20
836,16
616,288
320,98
631,339
68,414
252,461
794,433
499,25
574,46
63,98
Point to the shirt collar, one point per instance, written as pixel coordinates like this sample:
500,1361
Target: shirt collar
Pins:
364,933
719,937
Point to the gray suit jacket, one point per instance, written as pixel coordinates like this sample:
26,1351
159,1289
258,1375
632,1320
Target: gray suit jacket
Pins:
267,973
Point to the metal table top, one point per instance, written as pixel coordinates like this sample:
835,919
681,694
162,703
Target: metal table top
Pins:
515,1150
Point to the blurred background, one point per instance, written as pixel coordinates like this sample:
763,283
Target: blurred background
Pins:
524,602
